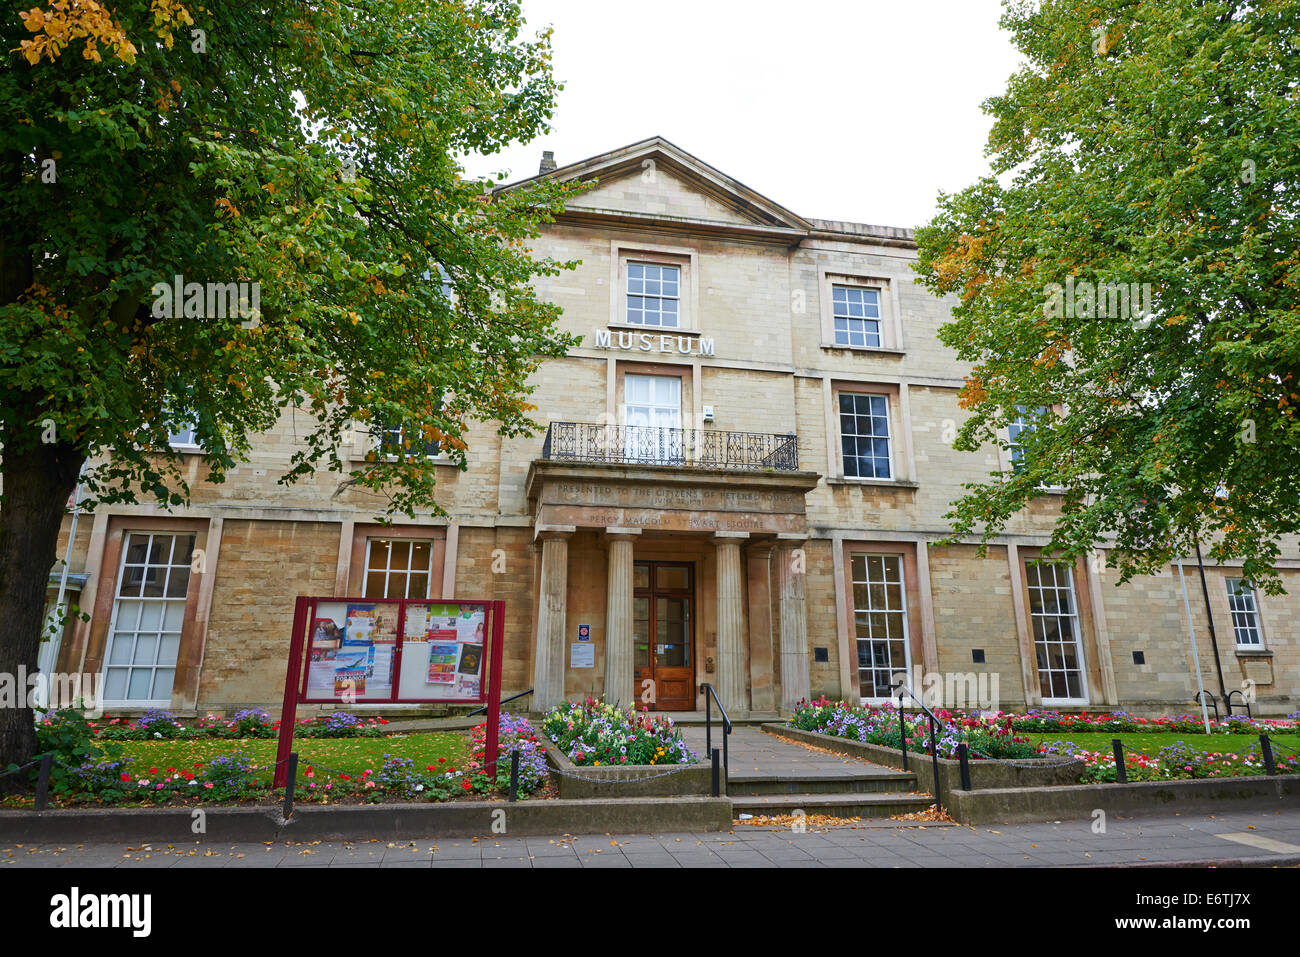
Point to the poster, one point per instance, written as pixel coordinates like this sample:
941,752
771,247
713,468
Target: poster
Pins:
582,655
351,651
442,651
442,662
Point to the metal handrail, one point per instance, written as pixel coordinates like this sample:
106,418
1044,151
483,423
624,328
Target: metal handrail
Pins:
1244,700
483,709
1213,701
902,734
711,697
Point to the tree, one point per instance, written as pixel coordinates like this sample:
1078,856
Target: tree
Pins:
1135,263
305,149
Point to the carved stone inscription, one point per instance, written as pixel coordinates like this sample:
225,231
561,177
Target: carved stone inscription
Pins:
673,508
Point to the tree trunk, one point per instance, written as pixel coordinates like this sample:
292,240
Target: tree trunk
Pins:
38,480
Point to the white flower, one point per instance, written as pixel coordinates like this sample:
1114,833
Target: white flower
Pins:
157,734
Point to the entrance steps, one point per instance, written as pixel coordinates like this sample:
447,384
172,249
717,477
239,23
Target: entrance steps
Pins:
879,794
749,784
865,805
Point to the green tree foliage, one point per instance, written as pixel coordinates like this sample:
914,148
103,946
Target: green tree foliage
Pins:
305,147
1141,143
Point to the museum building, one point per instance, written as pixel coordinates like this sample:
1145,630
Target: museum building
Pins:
741,482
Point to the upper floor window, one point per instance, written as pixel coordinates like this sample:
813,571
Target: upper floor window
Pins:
856,310
183,435
864,434
1245,616
653,294
1016,429
400,441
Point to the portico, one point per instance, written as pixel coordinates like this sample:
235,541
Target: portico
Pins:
675,565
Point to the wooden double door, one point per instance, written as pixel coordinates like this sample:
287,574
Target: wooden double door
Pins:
663,635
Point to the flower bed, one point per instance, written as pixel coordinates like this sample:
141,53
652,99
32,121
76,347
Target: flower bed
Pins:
595,734
986,737
1179,761
1036,721
156,724
89,769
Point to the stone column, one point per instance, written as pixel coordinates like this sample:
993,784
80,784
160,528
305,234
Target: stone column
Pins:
762,667
548,667
731,623
619,688
791,564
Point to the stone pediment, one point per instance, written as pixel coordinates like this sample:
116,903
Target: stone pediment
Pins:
656,179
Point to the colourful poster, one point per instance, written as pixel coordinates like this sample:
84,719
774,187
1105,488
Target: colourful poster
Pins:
360,625
442,662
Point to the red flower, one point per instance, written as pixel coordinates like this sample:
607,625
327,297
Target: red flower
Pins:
467,784
383,721
126,777
442,760
344,777
153,770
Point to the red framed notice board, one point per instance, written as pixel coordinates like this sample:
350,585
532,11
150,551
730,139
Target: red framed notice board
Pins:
349,651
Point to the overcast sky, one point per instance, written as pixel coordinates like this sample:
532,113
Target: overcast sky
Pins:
858,110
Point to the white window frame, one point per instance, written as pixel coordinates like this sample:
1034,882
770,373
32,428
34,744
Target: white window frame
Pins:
187,442
135,633
1241,601
630,443
388,569
378,445
902,594
890,319
1075,628
688,291
888,437
660,296
864,320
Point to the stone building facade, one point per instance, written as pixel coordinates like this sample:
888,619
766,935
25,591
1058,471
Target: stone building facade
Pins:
742,483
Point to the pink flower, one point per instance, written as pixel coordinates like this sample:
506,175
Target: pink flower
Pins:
208,785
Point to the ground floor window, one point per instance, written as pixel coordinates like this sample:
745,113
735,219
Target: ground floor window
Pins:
144,635
398,568
1245,616
880,617
1055,620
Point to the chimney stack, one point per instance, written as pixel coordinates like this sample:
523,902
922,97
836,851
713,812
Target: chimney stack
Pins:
548,162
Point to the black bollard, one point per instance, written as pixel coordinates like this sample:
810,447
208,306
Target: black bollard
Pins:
1121,769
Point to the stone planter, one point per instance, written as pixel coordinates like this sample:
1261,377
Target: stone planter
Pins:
641,780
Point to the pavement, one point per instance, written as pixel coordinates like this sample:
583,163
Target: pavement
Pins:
1259,837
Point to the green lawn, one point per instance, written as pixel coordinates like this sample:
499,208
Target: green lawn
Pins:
1152,742
348,755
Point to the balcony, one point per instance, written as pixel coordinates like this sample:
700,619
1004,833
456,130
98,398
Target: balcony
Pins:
686,448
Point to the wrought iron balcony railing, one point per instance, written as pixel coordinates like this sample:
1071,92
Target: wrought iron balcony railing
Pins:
688,448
